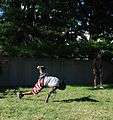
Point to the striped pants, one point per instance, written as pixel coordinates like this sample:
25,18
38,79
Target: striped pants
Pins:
38,86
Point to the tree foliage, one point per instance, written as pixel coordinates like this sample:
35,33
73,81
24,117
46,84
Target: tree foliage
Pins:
55,28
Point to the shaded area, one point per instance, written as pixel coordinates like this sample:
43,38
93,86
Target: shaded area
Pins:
7,91
83,99
110,86
105,86
1,97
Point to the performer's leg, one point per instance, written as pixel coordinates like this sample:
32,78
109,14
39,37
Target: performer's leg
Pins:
20,94
35,90
53,89
28,93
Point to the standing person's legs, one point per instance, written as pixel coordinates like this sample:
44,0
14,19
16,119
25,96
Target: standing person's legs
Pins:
101,80
95,84
95,81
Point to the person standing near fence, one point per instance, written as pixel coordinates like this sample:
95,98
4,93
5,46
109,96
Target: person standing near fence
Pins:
98,70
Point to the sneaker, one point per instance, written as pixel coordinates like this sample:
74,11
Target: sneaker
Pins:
95,87
101,87
19,95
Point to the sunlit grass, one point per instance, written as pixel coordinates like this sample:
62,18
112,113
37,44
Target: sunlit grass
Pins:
74,103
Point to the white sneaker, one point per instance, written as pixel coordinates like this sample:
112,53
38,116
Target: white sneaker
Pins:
101,87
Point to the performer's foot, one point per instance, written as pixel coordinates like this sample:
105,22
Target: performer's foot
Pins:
19,95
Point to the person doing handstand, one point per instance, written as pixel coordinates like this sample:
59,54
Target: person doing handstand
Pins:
39,84
44,80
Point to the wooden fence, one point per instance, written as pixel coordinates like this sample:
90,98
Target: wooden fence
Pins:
22,71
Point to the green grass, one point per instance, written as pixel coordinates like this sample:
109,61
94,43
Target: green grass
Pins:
74,103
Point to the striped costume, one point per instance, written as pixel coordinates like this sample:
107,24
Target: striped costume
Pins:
48,81
40,84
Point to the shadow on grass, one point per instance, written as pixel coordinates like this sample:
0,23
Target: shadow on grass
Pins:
108,86
2,97
83,99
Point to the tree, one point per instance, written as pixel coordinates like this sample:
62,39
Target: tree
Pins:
56,24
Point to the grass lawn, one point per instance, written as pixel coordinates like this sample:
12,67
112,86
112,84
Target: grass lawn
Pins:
74,103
